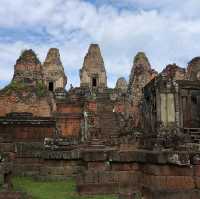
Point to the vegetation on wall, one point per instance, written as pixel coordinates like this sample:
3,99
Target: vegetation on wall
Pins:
15,86
40,89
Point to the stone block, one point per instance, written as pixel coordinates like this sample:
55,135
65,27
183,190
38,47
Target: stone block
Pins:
92,156
91,177
107,177
100,166
124,166
189,194
197,170
98,189
7,147
169,182
167,170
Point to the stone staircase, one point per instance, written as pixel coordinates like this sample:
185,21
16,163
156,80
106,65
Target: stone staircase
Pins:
109,125
96,140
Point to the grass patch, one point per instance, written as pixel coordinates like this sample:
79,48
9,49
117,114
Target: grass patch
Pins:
51,189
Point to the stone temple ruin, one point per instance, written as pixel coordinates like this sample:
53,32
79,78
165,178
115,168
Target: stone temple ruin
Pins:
140,139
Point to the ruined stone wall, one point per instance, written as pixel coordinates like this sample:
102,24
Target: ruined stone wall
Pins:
172,71
38,107
151,174
26,92
26,133
26,128
34,160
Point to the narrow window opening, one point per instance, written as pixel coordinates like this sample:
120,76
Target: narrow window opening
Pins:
51,86
94,82
194,99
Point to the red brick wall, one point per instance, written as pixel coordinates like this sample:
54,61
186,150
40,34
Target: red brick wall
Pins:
69,126
69,119
29,133
92,106
68,108
28,67
38,107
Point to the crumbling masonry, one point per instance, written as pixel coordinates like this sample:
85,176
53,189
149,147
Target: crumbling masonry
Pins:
140,139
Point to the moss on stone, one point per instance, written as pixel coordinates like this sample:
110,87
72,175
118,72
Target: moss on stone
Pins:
14,86
19,86
28,56
139,56
40,89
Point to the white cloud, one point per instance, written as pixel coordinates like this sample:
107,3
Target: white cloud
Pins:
168,31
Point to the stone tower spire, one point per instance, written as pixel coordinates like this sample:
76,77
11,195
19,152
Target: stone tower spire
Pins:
54,74
28,68
141,74
193,69
93,73
121,84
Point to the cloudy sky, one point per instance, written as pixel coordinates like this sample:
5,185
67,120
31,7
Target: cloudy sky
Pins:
168,31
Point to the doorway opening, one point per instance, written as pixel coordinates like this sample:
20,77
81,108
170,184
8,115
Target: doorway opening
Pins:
94,82
51,87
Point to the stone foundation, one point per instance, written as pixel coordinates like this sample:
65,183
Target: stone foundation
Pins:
153,174
36,161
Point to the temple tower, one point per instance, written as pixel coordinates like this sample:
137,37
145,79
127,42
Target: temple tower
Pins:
121,84
54,74
28,68
193,69
141,74
93,73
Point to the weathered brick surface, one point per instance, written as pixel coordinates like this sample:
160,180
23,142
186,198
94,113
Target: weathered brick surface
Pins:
92,106
102,166
167,170
68,108
141,74
93,67
197,182
94,155
124,166
197,170
94,189
7,147
168,182
189,194
39,107
130,172
26,133
69,126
